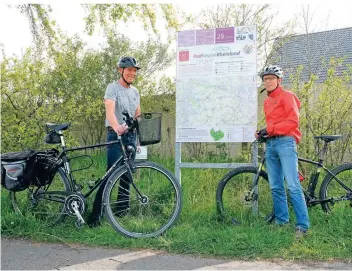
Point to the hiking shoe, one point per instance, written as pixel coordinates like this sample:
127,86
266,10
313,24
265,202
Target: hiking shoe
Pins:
300,233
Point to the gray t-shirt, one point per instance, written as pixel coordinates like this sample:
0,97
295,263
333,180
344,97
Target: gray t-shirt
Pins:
125,99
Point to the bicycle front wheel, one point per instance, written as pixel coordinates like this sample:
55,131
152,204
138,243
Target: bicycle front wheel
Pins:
341,195
37,202
147,205
240,202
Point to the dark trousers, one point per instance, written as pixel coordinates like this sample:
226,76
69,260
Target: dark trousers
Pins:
114,152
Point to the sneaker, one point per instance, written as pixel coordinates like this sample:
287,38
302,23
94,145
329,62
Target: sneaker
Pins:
300,233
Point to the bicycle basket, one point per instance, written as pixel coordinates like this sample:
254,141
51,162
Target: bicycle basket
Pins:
149,128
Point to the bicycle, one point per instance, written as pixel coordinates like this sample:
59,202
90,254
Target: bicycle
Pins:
154,197
243,195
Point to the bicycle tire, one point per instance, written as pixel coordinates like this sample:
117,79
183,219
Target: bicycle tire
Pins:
31,203
233,204
330,188
162,193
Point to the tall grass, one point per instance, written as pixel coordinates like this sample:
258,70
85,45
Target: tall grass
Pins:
198,231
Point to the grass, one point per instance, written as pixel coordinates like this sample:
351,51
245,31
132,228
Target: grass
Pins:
198,231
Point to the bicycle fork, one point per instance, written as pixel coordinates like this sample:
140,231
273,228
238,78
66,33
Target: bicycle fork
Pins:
252,196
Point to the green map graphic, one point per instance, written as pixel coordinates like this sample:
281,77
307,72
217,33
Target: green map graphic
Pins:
216,135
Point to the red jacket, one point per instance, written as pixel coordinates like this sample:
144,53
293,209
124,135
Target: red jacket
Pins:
281,109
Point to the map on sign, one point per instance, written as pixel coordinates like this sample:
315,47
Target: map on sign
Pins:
216,92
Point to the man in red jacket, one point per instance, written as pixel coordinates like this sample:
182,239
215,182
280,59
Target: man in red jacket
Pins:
282,134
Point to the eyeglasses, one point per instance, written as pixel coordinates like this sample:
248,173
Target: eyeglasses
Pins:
269,78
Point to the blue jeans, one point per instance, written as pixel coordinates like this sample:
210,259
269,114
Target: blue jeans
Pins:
282,163
114,152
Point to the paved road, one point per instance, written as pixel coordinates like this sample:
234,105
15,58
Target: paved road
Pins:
26,255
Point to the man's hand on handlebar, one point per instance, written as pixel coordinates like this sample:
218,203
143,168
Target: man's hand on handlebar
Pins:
121,129
261,134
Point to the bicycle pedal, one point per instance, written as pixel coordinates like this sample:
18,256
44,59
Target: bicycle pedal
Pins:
79,224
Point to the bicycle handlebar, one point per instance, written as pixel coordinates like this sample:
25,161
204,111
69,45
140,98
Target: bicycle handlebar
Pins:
130,121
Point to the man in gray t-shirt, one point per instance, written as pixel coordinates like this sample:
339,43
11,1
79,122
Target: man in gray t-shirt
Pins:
119,96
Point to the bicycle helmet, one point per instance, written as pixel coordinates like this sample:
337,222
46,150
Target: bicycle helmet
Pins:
127,62
272,69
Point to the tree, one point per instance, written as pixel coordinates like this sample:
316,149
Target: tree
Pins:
28,101
107,15
58,81
326,109
41,25
68,85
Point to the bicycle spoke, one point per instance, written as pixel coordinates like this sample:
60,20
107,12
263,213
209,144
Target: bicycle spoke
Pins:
43,204
239,203
150,210
331,189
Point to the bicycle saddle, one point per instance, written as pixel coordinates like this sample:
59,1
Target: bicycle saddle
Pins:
328,138
58,126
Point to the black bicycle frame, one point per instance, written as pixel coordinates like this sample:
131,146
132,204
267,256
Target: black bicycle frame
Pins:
65,158
313,181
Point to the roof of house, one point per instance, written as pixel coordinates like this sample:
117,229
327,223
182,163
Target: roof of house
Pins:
311,49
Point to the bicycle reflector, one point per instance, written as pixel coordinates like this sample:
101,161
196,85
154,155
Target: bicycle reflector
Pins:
301,177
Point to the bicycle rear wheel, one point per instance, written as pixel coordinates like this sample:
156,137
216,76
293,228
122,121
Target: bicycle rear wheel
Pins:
330,188
148,206
238,202
36,201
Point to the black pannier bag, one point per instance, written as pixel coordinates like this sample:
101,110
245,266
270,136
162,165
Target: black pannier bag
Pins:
45,167
16,169
19,170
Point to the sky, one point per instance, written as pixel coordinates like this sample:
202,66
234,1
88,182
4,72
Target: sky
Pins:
15,35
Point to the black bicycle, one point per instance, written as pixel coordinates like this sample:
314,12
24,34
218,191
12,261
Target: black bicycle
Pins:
154,198
243,195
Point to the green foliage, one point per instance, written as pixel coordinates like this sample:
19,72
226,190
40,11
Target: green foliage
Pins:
108,15
27,102
67,84
39,20
326,109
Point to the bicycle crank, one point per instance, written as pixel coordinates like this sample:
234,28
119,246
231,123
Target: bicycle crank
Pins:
75,206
